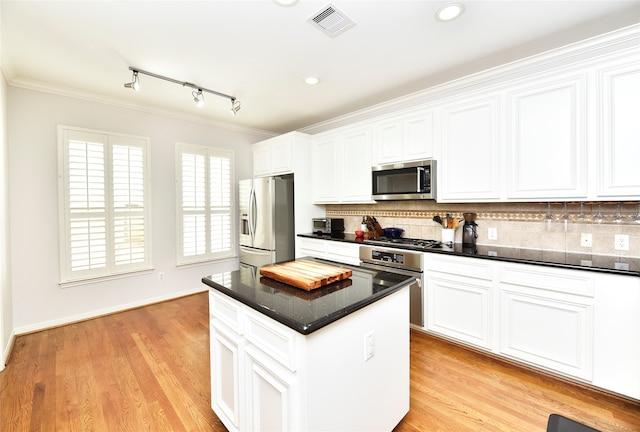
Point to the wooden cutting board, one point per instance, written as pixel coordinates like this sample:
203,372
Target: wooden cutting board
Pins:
304,274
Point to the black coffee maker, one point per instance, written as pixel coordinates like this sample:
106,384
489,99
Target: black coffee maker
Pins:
469,234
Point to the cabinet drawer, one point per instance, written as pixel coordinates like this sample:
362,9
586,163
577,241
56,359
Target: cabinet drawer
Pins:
272,338
343,252
226,311
471,267
563,281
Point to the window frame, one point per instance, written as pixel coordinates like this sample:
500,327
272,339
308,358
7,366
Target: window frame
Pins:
110,214
207,152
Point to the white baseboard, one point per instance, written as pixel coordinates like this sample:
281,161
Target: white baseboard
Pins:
101,312
6,352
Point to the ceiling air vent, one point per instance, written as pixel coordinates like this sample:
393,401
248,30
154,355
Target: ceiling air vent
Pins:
331,21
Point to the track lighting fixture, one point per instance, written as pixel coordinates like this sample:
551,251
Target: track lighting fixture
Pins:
198,98
197,92
134,84
235,106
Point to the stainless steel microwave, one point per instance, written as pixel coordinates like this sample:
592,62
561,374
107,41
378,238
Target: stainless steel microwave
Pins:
404,181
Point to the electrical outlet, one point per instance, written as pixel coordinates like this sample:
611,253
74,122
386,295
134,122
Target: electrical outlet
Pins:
161,276
621,242
621,266
369,345
586,240
492,234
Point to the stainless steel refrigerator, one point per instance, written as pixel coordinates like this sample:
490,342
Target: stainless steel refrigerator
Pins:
266,209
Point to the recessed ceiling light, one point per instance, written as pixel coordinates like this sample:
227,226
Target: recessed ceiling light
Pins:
449,11
285,2
312,80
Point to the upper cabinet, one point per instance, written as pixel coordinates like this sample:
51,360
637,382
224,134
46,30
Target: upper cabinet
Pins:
280,155
546,135
405,137
618,120
470,168
341,167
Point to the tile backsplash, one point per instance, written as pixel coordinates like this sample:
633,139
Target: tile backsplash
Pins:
549,226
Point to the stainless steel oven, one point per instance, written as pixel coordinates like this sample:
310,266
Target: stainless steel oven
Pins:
403,262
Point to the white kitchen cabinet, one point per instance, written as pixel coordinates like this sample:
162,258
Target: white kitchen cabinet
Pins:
341,166
546,318
579,324
347,253
547,145
280,155
616,349
290,153
470,168
618,103
268,377
226,354
459,299
404,138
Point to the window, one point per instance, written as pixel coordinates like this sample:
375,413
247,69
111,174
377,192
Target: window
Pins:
205,196
103,199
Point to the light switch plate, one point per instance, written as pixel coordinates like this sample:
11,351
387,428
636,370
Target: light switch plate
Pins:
586,240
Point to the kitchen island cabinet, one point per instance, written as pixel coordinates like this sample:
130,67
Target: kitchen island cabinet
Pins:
336,358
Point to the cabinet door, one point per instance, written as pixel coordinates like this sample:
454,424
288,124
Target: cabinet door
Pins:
325,170
281,155
356,169
389,141
270,401
460,308
470,167
261,160
619,134
225,376
547,330
547,151
418,135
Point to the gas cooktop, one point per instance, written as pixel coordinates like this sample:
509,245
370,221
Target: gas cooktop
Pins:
403,241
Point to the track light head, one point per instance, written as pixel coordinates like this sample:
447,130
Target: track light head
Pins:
198,97
235,106
135,83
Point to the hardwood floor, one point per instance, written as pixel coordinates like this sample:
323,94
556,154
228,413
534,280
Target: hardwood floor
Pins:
148,370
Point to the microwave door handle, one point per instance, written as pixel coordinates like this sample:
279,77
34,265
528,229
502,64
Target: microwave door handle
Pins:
420,185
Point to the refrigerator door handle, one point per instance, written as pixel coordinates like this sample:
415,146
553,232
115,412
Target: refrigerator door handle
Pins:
252,213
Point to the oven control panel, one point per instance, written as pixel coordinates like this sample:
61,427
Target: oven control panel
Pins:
390,257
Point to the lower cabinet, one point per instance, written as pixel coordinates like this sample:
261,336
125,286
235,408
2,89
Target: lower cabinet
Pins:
226,352
459,300
580,324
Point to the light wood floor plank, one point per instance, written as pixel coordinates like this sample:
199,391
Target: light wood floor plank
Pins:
148,370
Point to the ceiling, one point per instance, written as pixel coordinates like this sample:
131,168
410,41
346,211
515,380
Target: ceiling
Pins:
260,52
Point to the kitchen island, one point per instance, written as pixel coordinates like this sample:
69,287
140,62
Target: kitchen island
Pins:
335,358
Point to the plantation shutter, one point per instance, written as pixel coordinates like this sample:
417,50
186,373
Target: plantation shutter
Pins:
104,214
205,203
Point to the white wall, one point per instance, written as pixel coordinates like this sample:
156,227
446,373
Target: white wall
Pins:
38,301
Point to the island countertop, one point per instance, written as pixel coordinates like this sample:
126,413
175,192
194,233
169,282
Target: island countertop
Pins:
307,311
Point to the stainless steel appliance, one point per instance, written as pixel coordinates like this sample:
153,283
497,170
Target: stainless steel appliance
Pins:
266,210
404,262
403,181
328,225
409,243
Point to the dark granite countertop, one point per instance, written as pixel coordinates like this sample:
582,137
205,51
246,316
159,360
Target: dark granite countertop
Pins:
571,260
307,311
